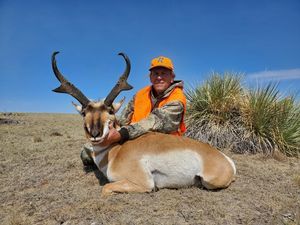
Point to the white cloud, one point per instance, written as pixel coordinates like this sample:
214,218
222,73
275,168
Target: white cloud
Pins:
291,74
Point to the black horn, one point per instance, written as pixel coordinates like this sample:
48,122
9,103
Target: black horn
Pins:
121,84
66,86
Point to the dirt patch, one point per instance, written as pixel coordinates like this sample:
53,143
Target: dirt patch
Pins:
43,182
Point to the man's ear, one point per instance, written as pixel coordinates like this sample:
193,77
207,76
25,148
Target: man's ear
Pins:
118,105
78,108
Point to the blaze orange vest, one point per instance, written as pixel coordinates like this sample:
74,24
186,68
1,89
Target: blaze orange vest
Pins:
143,105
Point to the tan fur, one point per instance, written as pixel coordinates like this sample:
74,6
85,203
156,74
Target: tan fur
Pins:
124,161
122,186
128,174
95,115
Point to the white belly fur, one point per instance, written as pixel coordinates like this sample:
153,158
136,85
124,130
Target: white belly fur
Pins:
173,169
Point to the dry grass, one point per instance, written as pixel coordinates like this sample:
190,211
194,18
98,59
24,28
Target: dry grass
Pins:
55,133
44,183
297,180
37,139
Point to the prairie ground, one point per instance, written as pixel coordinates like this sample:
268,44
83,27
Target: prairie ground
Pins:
43,182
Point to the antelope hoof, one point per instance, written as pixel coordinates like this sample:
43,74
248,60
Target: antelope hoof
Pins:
106,192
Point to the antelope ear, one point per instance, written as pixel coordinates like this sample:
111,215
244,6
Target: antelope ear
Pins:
118,105
78,108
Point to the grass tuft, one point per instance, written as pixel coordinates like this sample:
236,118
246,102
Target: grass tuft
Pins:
217,99
37,139
227,115
297,180
55,133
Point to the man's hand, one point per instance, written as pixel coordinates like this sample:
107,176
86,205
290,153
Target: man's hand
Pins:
113,136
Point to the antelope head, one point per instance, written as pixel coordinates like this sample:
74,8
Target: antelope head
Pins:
98,116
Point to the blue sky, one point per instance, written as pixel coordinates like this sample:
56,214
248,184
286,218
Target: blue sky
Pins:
258,38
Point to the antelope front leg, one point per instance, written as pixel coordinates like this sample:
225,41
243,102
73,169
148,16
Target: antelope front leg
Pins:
121,187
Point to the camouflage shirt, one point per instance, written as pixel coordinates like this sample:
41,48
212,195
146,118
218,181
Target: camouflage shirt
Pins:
165,119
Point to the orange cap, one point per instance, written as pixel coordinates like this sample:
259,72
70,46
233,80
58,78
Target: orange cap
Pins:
162,61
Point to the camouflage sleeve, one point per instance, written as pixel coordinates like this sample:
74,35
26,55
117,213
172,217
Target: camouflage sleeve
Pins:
165,120
126,114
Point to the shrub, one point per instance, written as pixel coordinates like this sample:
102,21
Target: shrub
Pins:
226,115
274,120
287,135
213,110
217,99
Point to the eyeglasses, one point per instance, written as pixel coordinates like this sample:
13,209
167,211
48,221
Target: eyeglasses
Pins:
162,75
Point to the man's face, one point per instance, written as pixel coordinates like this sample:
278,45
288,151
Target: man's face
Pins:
161,78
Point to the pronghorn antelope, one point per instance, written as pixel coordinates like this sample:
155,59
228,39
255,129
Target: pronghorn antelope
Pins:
154,160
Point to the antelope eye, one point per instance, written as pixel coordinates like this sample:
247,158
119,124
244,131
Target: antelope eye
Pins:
111,110
83,112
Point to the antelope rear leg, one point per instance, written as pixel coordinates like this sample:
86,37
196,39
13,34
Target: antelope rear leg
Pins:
123,186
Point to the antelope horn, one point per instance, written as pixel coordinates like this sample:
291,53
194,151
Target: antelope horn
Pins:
66,86
121,84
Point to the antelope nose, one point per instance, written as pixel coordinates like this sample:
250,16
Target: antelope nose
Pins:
95,133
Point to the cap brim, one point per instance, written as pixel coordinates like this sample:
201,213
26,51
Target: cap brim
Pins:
169,68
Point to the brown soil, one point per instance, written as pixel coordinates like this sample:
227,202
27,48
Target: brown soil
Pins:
43,182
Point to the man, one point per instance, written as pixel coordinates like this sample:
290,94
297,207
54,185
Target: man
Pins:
159,107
